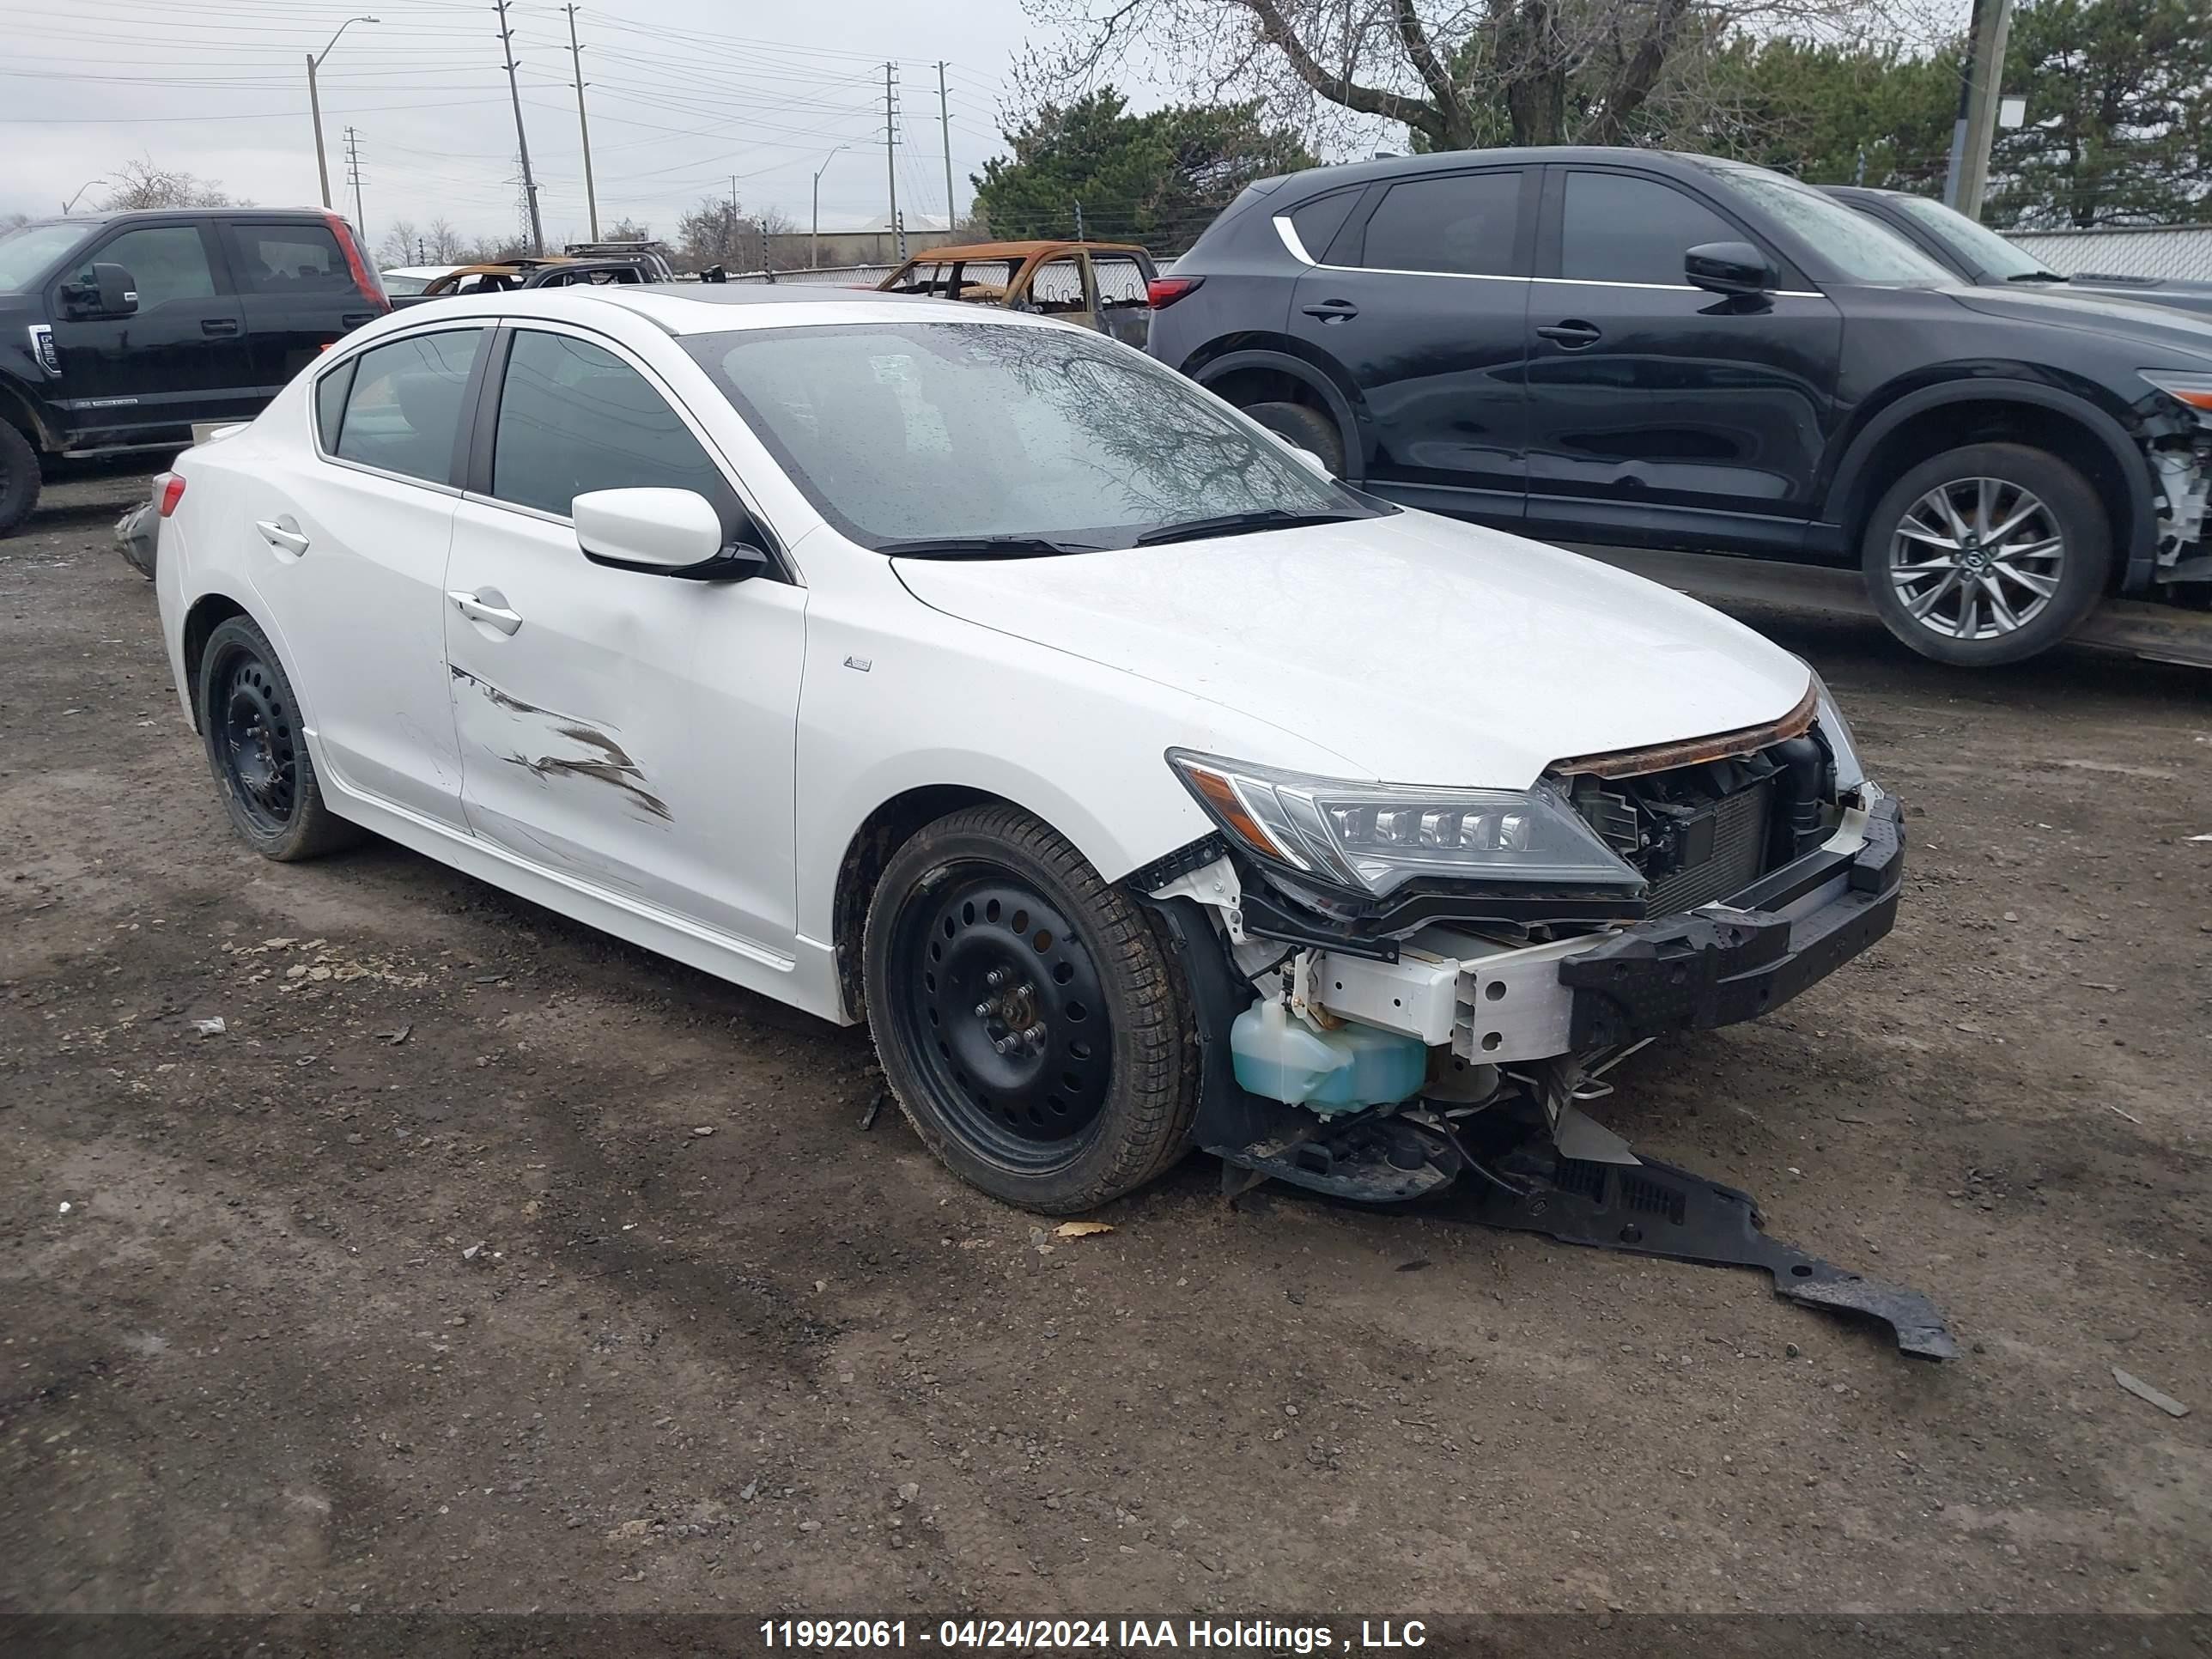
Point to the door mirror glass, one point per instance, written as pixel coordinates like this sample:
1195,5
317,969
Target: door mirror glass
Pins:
673,531
1729,268
104,290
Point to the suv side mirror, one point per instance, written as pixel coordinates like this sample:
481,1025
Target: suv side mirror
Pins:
1734,268
669,533
110,293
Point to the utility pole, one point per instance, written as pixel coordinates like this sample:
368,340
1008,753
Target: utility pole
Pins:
734,247
521,139
1079,222
583,127
315,103
1975,126
944,124
353,176
890,160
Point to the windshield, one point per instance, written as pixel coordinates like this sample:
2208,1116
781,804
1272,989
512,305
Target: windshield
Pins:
1853,246
1981,247
28,250
982,433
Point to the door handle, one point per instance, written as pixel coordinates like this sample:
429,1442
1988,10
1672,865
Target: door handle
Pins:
1572,334
221,325
283,533
492,616
1331,311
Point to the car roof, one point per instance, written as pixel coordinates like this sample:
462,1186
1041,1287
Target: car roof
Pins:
418,271
108,215
680,308
1016,250
1312,180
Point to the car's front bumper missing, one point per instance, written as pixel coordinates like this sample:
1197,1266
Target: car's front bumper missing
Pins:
1723,964
1496,1003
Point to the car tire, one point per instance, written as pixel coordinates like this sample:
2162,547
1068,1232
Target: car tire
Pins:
1308,427
18,478
1027,1014
1947,588
249,723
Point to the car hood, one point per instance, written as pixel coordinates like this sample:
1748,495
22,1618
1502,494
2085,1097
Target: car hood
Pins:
2155,327
1419,649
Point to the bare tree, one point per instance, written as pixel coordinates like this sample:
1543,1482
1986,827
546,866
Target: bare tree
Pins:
143,184
399,245
1456,73
13,222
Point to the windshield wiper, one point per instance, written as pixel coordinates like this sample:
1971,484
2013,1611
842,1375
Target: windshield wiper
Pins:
1229,524
983,547
2037,277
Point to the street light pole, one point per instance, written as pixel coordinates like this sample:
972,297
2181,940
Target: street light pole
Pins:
315,103
81,189
814,241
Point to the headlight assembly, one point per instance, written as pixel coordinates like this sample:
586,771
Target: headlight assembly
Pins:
1375,837
2194,390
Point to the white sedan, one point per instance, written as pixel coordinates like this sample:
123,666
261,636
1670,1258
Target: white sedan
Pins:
974,675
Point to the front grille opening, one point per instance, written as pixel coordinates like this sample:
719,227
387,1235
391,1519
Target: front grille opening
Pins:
1705,832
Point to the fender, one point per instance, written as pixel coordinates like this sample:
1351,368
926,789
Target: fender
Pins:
1347,421
28,413
2139,552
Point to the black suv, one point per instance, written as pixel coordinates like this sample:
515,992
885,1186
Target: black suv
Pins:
1973,252
120,330
1663,351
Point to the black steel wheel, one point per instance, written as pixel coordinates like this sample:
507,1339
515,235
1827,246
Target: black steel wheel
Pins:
19,477
1026,1014
258,750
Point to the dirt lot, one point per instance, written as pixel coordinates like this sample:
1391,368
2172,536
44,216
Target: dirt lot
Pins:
420,1287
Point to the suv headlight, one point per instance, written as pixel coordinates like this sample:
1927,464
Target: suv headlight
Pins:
1849,774
2194,390
1375,837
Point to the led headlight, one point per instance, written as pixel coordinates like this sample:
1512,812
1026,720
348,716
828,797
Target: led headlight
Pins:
1850,774
1374,837
2194,390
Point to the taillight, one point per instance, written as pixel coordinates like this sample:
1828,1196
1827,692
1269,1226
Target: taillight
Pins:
172,493
371,286
1164,291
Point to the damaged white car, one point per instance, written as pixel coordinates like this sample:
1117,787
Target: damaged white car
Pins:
1142,786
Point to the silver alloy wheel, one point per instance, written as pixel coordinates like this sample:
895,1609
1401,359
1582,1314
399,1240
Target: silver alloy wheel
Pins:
1976,558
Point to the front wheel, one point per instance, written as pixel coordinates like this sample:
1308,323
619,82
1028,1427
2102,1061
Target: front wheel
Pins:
1987,554
18,478
1027,1014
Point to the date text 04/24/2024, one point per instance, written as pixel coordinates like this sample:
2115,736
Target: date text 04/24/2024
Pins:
1238,1635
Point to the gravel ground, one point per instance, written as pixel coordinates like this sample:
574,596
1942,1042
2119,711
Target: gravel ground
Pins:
422,1286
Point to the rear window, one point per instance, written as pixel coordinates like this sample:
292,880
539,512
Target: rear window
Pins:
402,411
1465,225
1318,221
290,260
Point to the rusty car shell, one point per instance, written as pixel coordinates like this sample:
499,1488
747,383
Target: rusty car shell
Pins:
1101,286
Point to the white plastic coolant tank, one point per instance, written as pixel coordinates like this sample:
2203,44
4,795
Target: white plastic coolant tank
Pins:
1280,1057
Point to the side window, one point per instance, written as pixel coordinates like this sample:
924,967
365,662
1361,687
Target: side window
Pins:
574,418
166,262
1120,279
1057,286
330,405
403,411
1318,221
1618,228
1465,224
294,258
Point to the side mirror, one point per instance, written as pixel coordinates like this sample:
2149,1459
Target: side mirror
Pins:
672,532
1734,268
111,292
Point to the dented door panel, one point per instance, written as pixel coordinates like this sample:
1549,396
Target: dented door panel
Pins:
633,731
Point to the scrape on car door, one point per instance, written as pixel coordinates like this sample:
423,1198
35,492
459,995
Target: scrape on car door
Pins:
627,730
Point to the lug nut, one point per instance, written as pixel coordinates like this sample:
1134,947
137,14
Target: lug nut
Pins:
1034,1034
995,979
1002,1044
982,1011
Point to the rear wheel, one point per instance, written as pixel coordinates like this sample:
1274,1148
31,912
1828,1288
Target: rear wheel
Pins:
1987,554
18,478
1308,427
1026,1014
258,750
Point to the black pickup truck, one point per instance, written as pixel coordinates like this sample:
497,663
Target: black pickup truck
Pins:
120,331
1975,253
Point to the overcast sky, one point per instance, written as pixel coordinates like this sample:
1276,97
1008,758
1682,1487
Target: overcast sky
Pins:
682,93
